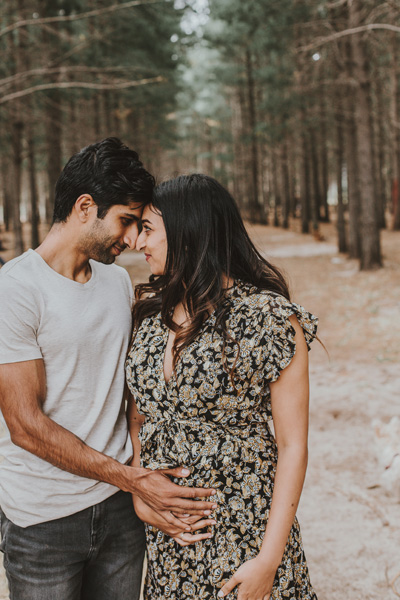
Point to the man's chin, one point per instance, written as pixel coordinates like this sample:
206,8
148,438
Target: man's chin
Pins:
105,259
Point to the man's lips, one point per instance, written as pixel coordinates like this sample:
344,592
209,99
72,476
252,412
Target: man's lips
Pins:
147,256
118,249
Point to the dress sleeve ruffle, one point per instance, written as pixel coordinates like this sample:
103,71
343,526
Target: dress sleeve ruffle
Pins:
276,343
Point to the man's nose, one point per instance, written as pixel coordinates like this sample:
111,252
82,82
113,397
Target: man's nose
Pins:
140,241
130,237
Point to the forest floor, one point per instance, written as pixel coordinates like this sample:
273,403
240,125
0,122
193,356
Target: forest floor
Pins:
350,520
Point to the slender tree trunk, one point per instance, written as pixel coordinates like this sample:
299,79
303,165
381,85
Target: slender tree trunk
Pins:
305,185
7,194
275,187
380,156
316,199
54,152
324,161
370,242
341,222
285,185
16,143
34,196
17,131
254,203
351,151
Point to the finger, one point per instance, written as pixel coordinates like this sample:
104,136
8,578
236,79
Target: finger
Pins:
185,539
203,523
228,587
175,521
191,519
181,506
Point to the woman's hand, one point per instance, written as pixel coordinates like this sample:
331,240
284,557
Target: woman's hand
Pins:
195,522
181,530
254,580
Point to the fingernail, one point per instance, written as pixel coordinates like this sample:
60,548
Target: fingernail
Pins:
213,493
220,594
213,522
207,512
188,528
185,472
215,505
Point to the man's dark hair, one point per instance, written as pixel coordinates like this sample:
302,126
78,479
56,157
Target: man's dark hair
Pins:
109,171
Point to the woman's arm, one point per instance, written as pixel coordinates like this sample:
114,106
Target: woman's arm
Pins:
181,529
289,401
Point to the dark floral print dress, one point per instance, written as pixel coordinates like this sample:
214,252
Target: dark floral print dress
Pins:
220,431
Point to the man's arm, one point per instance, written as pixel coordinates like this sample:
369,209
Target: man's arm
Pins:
22,393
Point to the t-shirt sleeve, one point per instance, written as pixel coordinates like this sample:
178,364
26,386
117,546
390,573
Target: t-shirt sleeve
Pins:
19,322
277,336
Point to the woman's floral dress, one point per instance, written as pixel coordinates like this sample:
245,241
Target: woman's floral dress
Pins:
221,433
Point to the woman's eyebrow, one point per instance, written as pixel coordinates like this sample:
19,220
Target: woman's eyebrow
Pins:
146,221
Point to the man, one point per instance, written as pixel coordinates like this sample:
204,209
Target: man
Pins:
65,323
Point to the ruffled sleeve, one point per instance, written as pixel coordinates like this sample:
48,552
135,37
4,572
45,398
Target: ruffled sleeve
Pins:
276,337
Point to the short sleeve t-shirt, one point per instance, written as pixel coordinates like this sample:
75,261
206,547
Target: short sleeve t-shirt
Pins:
82,332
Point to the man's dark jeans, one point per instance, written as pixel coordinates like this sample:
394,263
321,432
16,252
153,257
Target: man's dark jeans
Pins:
95,554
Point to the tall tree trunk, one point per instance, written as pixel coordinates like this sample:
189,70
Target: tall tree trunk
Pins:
324,160
254,203
7,193
16,145
380,156
305,184
34,196
316,198
351,151
276,187
370,240
285,185
17,130
341,222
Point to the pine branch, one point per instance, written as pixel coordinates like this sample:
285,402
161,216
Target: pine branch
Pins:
63,70
78,17
79,84
339,34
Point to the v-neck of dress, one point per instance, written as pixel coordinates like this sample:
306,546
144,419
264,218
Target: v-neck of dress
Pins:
167,332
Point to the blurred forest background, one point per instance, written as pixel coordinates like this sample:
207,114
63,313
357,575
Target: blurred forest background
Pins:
293,104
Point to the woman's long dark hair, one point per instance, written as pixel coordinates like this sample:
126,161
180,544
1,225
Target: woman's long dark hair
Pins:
206,241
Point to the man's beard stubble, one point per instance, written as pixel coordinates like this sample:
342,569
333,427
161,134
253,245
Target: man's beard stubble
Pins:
97,244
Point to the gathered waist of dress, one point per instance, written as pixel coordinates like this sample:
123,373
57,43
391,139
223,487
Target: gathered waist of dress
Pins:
170,442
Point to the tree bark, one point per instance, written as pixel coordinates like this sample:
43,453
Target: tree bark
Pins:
305,184
370,242
341,222
254,203
316,198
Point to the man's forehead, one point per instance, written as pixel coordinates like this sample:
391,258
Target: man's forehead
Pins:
134,209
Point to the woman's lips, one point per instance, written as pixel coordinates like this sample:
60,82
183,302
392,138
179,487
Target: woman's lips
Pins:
147,256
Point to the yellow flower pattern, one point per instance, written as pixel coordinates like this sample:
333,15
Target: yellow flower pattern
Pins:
220,431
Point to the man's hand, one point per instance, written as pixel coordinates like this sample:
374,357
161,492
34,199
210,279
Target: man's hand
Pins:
165,497
182,531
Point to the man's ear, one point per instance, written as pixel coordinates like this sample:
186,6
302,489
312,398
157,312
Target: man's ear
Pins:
84,207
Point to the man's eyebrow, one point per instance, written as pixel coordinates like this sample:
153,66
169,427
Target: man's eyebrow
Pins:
130,216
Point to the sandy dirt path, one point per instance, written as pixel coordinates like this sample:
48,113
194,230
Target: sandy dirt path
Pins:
350,521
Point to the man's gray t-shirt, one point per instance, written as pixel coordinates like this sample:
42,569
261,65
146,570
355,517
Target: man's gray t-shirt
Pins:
82,332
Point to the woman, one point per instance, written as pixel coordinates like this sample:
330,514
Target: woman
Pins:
218,351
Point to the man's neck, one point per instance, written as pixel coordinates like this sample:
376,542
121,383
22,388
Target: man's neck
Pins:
59,250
